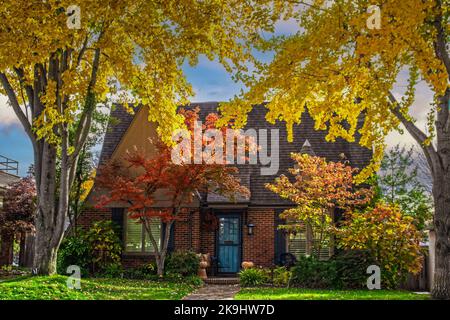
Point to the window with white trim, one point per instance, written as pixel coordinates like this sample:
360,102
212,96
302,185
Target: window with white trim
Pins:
137,239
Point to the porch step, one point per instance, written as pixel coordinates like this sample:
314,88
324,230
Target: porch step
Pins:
221,281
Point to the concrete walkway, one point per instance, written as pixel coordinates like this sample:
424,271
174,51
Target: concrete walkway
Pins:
214,292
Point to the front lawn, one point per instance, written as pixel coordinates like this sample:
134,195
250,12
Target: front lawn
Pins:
55,288
310,294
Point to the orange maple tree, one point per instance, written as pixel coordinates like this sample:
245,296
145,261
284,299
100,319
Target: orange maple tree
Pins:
140,182
317,188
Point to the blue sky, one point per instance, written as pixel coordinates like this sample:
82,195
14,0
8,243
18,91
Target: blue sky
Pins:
211,83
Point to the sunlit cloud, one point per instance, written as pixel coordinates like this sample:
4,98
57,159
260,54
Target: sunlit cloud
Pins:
7,116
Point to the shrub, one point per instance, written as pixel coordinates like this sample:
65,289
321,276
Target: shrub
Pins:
281,276
389,236
184,263
351,267
105,245
74,250
146,271
253,277
194,281
113,270
310,272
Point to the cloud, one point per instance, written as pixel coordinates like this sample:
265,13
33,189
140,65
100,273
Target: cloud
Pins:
7,116
8,119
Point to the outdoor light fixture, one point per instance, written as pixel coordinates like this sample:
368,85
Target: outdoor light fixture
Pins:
250,227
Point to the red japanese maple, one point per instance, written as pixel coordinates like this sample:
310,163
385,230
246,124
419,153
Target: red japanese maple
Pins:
17,215
19,206
142,182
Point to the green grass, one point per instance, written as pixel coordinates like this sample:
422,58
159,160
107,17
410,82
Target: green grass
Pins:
55,288
310,294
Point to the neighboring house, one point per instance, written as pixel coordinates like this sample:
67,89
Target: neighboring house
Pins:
6,250
6,179
230,232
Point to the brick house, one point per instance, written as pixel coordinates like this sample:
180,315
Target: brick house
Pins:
231,232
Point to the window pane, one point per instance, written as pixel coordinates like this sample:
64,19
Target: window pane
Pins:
133,236
297,243
155,226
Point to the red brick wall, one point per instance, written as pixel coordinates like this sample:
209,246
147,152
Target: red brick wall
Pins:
207,239
134,261
91,215
187,231
189,235
259,248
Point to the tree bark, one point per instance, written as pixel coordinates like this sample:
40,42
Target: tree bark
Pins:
441,195
160,253
6,248
48,227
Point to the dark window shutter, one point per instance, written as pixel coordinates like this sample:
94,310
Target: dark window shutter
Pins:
280,237
117,216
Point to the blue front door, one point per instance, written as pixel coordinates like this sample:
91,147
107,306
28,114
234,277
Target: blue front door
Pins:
229,244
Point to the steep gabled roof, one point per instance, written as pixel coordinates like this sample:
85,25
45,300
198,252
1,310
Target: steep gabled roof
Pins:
250,174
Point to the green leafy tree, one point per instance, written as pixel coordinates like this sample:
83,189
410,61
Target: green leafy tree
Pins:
86,169
399,183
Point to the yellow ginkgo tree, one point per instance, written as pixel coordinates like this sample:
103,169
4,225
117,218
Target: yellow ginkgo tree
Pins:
342,66
60,58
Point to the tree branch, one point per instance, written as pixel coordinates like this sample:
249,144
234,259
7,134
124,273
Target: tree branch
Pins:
440,45
417,134
28,89
86,118
82,50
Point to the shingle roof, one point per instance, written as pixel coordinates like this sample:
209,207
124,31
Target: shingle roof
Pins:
250,174
119,123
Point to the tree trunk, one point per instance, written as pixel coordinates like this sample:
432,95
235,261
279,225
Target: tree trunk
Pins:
6,248
441,195
160,267
22,252
45,255
160,253
50,213
441,284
